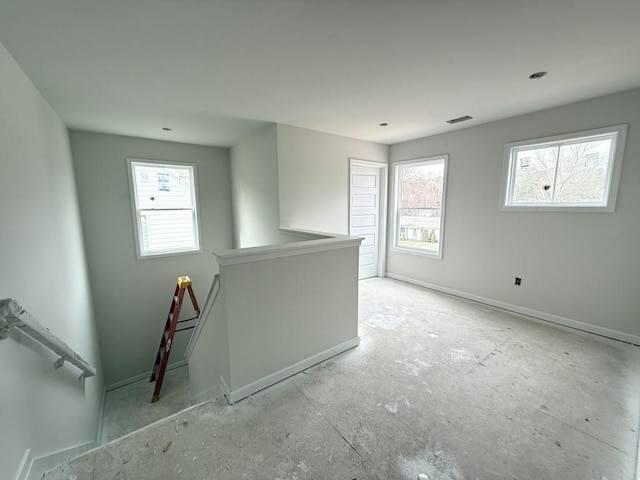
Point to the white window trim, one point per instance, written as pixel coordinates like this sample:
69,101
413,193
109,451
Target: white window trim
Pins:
612,180
396,230
137,227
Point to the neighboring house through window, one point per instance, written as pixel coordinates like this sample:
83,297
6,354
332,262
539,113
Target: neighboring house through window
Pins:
164,207
419,206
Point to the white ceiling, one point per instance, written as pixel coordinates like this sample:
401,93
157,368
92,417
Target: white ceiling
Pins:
215,70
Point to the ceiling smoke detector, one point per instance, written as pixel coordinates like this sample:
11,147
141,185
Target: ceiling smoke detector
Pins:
459,119
537,75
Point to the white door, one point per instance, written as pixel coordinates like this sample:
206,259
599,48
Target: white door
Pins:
365,207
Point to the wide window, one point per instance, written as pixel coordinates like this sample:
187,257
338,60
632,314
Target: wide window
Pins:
568,172
164,207
420,194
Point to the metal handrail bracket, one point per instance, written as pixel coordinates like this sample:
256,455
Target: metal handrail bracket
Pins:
12,315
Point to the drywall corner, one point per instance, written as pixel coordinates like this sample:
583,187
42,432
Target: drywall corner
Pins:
254,187
313,177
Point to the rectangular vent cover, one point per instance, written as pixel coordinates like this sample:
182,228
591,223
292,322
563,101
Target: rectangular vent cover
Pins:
459,119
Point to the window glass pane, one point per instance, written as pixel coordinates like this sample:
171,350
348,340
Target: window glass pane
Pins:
167,230
582,172
534,172
420,188
163,187
164,200
568,172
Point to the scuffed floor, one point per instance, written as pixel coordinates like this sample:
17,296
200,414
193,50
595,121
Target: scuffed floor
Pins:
128,408
439,388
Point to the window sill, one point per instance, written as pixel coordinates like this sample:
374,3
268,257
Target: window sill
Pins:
167,254
557,208
417,252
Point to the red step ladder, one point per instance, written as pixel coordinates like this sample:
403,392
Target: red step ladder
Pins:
162,357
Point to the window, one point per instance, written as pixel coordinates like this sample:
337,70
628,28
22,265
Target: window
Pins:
164,207
420,193
576,172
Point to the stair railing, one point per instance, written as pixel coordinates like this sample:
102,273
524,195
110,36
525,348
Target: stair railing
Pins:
204,314
13,315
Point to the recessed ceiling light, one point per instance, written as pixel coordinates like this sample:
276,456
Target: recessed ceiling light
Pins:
384,124
459,119
537,75
166,129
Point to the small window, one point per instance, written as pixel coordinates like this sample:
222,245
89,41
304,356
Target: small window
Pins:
164,207
420,194
576,172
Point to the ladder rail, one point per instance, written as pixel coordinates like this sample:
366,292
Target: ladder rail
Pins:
164,337
170,329
167,348
196,307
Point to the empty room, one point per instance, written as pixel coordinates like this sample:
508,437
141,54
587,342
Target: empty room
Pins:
353,239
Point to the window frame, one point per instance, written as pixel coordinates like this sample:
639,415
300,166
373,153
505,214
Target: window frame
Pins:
612,180
137,221
444,158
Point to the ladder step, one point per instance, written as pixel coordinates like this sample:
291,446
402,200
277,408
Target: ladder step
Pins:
185,328
166,341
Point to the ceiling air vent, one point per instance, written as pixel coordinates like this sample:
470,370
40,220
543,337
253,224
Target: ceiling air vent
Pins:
459,119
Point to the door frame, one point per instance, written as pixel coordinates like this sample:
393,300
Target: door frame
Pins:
382,214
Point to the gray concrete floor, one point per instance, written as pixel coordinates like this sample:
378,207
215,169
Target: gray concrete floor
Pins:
439,387
129,408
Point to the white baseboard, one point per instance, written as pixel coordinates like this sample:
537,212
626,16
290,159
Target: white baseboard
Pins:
100,421
267,381
528,312
33,468
225,388
22,473
638,461
142,376
213,393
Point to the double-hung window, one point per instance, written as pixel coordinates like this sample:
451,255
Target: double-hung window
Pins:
575,172
419,205
164,207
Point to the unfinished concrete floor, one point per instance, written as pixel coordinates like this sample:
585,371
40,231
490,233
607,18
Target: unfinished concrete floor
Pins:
128,408
438,387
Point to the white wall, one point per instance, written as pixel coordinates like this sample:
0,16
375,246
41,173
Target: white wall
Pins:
209,357
254,186
42,260
132,296
579,266
274,324
313,172
280,310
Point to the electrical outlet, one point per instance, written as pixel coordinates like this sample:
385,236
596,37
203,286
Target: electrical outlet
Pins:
518,281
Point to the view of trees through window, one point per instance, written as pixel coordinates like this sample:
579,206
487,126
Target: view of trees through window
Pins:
419,209
566,173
